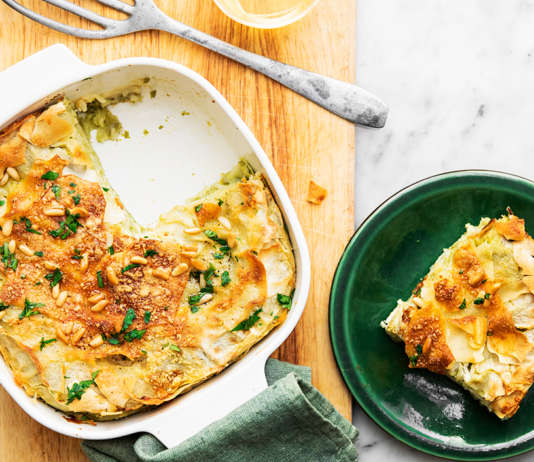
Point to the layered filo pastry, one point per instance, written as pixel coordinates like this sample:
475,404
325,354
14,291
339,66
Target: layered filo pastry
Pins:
472,316
102,317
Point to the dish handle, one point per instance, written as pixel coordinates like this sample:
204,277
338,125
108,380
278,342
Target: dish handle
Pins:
39,76
209,403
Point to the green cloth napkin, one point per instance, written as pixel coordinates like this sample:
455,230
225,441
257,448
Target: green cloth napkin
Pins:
289,421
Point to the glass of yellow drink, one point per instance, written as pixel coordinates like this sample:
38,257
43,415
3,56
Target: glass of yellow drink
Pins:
265,14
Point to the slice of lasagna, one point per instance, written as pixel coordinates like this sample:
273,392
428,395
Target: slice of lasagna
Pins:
472,316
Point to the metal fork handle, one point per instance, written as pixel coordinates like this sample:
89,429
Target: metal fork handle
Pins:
342,98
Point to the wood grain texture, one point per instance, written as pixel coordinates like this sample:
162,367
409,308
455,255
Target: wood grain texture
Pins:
302,140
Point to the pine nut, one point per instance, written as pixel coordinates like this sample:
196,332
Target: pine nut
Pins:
112,276
139,260
418,301
78,335
80,211
427,344
99,306
202,282
61,297
84,262
96,341
96,298
225,222
49,265
7,227
67,327
26,250
54,212
161,273
4,179
62,335
55,291
2,314
181,268
199,264
13,173
189,254
205,299
192,230
12,246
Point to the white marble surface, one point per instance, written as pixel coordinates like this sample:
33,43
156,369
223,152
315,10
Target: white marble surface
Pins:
459,80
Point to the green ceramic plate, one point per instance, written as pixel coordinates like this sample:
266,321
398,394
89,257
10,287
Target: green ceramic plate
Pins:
383,262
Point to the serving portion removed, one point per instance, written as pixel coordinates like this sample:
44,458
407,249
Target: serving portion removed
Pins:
102,317
472,315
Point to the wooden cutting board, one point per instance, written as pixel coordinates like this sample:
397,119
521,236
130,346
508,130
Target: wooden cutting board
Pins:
302,140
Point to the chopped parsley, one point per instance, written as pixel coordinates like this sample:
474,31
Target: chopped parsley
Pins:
128,319
76,199
150,253
44,342
50,175
2,202
478,301
77,389
3,306
174,347
249,322
28,225
218,256
113,340
129,267
194,299
29,309
57,191
72,185
415,358
462,305
147,316
285,300
8,258
461,272
105,189
67,227
126,323
111,250
54,277
220,202
99,279
38,253
487,296
225,278
77,255
198,208
134,334
213,236
418,292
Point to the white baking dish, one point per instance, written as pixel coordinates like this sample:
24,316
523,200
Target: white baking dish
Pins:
193,136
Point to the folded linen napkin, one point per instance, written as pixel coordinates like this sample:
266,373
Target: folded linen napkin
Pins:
288,422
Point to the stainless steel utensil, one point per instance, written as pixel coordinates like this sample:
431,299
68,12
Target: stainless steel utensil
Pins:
341,98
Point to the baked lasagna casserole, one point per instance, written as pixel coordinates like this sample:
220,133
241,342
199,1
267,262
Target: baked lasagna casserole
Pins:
101,317
472,316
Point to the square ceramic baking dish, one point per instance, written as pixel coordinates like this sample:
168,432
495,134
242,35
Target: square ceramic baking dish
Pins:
183,135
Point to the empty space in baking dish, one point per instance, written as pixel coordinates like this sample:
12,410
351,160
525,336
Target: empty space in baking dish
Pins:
178,140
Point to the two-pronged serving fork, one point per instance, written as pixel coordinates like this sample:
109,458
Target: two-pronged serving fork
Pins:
341,98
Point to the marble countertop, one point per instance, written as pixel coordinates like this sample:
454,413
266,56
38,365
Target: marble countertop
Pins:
459,80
